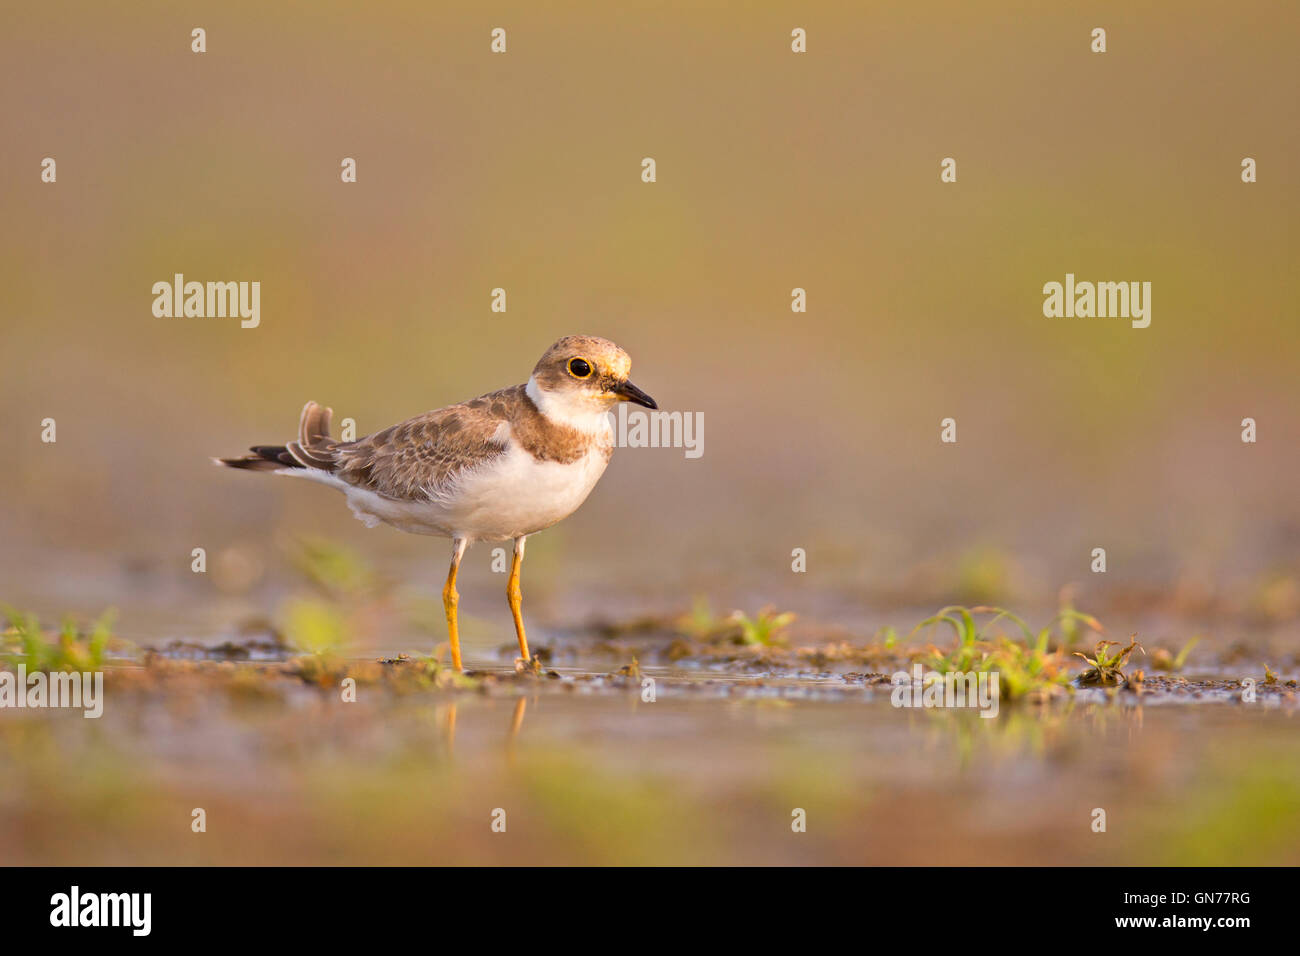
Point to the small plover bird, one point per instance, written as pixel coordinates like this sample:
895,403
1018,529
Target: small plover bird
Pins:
502,466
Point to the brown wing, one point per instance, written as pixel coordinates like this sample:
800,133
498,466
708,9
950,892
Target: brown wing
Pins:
420,454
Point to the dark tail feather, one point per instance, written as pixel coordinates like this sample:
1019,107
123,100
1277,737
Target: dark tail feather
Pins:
313,449
263,458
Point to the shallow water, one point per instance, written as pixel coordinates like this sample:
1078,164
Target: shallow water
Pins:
588,770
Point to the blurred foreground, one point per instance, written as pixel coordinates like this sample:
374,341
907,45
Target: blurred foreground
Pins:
705,755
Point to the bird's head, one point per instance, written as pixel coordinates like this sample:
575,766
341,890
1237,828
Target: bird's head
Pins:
582,375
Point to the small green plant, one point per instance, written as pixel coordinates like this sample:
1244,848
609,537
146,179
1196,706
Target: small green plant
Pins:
1026,667
1106,670
963,622
1162,660
1071,622
767,629
701,623
71,649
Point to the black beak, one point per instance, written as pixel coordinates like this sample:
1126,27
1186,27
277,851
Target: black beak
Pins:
630,393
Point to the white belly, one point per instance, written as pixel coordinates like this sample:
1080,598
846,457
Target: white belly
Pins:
512,495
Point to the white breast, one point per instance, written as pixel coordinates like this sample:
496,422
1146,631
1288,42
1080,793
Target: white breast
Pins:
516,494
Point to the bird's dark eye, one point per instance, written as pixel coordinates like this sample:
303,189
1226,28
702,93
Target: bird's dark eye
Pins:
579,368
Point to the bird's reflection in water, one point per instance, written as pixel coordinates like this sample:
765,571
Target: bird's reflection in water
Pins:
516,724
451,728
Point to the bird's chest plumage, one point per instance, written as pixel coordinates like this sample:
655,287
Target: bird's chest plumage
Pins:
518,493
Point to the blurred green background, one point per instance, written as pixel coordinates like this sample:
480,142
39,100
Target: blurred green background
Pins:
775,170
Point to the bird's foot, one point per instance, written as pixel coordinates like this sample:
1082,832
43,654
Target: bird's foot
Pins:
532,665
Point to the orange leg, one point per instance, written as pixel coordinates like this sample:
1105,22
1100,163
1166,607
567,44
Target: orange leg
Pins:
515,595
450,601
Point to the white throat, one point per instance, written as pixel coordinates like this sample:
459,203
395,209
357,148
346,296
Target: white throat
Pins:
568,408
